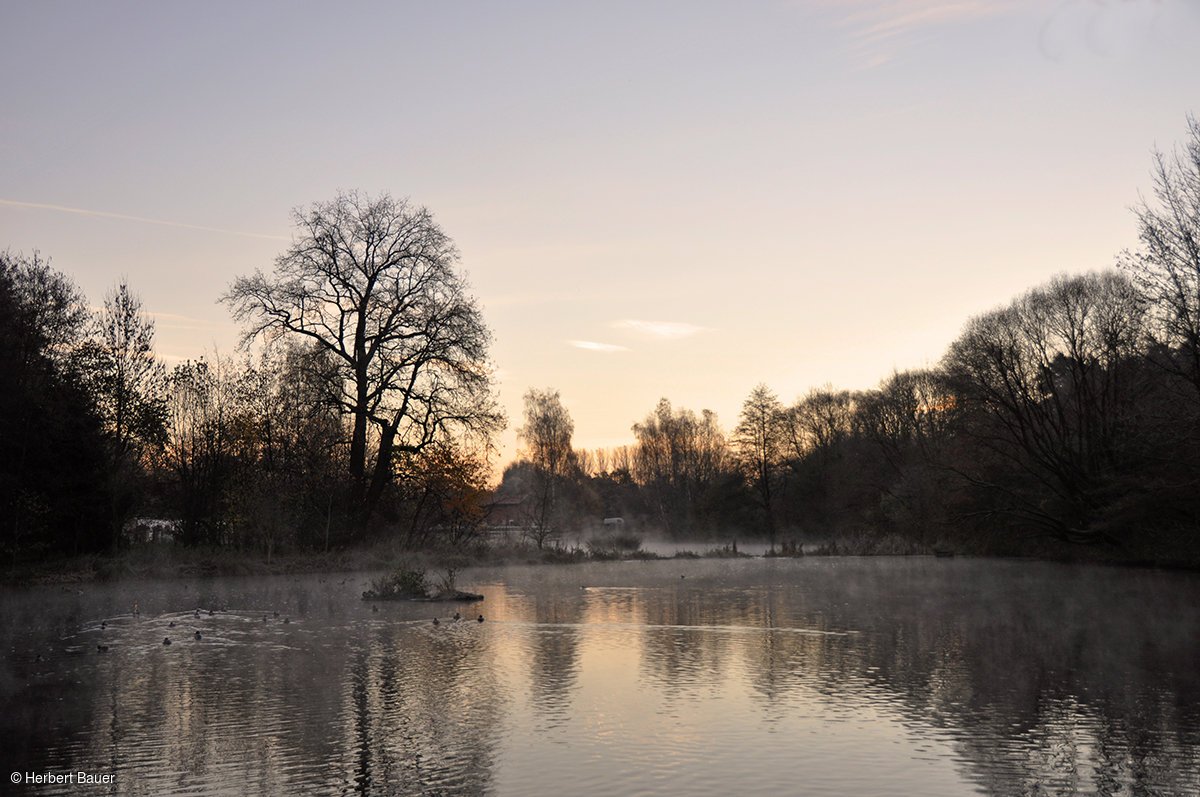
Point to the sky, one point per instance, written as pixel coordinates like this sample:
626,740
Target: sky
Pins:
651,199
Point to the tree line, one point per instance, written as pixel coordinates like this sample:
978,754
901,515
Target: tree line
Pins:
363,406
1066,420
363,401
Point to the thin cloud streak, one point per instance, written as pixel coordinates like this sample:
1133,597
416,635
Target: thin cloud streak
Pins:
669,330
184,321
891,20
878,28
15,203
591,345
174,320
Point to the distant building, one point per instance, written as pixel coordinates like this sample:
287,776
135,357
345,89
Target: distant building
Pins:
509,510
150,530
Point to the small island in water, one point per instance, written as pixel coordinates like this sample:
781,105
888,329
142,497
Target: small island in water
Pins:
407,583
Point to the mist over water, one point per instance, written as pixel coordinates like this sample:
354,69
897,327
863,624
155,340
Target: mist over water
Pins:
818,676
666,546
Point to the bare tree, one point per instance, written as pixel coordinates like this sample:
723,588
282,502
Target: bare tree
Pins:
372,281
1051,383
816,430
547,438
819,421
288,439
130,382
909,414
1167,266
201,447
128,386
758,441
51,309
620,460
585,462
677,458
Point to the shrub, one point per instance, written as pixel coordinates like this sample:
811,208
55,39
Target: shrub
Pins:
403,582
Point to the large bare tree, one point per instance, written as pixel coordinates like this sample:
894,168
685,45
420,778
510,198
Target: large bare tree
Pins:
1051,386
372,282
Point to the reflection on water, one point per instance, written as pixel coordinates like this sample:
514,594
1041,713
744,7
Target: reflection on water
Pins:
820,676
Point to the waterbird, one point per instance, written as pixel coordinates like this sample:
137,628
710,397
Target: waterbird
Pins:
103,624
480,618
171,624
436,622
102,648
166,640
287,620
198,637
457,617
196,614
374,608
264,618
210,612
276,614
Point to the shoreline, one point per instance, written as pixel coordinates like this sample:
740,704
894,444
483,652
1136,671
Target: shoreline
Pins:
184,563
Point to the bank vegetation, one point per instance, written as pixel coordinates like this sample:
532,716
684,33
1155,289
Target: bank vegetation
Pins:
361,412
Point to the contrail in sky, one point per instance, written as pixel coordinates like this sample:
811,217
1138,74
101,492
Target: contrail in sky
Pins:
103,214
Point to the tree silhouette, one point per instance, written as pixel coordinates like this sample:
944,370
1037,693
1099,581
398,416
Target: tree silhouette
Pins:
547,437
758,441
372,282
1167,266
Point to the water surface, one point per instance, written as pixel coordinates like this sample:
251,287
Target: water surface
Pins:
821,676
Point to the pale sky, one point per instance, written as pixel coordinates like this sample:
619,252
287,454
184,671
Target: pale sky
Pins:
651,199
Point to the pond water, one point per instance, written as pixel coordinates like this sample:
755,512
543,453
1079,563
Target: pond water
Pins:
820,676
